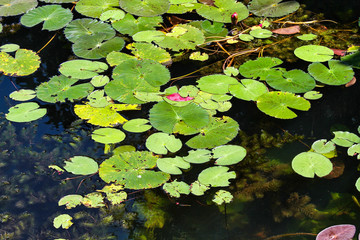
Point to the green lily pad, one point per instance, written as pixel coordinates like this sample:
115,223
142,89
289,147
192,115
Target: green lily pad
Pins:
352,59
314,53
216,84
295,81
198,156
182,6
246,37
354,150
345,139
215,27
220,131
231,71
259,68
216,176
261,33
54,17
60,88
93,200
16,7
322,146
150,51
70,201
313,95
57,1
99,80
112,15
94,8
176,188
172,165
116,198
149,96
25,63
63,221
108,135
199,56
82,69
222,196
248,89
272,8
129,25
97,99
198,188
81,165
357,184
9,47
164,116
132,169
115,58
25,112
337,74
228,154
145,8
307,164
137,125
23,95
148,36
307,37
161,143
222,10
277,104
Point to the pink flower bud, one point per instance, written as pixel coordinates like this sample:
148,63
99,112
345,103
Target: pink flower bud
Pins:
234,18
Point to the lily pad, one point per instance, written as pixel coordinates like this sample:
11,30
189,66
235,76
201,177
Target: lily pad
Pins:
161,143
231,71
221,10
278,104
314,53
82,69
307,164
137,125
25,63
345,139
337,74
145,8
148,36
222,196
272,8
108,135
307,37
322,146
216,84
23,95
182,6
54,17
129,25
228,154
10,47
112,15
98,99
216,176
259,68
70,201
63,221
81,165
341,232
352,59
313,95
198,156
99,80
354,150
198,188
261,33
150,51
94,8
246,37
172,165
176,188
16,7
93,200
248,89
25,112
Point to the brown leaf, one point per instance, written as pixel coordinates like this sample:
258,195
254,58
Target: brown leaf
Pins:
287,30
338,52
352,82
208,2
338,169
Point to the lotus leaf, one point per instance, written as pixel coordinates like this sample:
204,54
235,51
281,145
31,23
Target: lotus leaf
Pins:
277,104
70,201
231,71
10,47
93,200
272,8
216,176
222,196
198,156
341,232
261,33
150,51
307,37
23,95
63,220
16,7
108,135
137,125
25,112
259,68
54,17
313,95
131,169
248,89
216,84
295,81
145,8
354,150
99,80
105,117
182,6
345,139
198,188
220,131
314,53
337,74
172,165
228,154
98,100
164,116
222,10
82,69
60,88
307,164
176,188
25,63
112,15
161,143
94,8
129,25
115,58
81,165
352,59
246,37
88,28
322,146
182,36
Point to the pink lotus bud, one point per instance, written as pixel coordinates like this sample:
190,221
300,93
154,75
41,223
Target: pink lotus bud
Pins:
260,25
234,18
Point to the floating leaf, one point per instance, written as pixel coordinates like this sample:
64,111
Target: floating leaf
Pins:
261,33
25,112
82,69
341,232
287,30
314,53
221,10
352,59
248,89
54,17
231,71
9,47
354,150
115,58
25,63
137,125
228,154
150,51
198,188
70,201
93,200
307,164
108,135
116,198
94,8
246,37
23,95
63,221
216,176
99,80
345,139
145,8
176,188
182,6
198,156
131,169
81,165
172,165
199,56
216,84
307,37
98,100
261,67
16,7
161,143
272,8
357,184
313,95
148,36
322,146
222,196
220,131
129,25
337,74
277,104
112,15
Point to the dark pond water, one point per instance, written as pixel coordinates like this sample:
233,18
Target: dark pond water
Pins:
269,199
